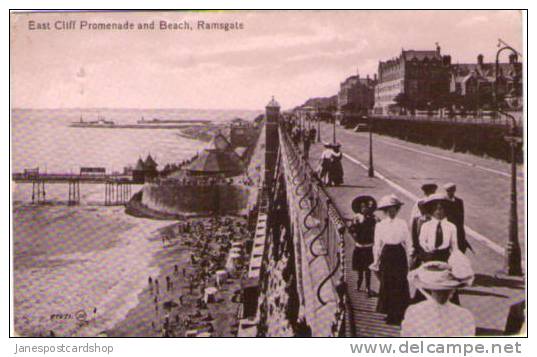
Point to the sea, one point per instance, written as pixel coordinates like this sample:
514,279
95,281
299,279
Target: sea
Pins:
77,270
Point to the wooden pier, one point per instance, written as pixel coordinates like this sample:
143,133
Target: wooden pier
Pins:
117,187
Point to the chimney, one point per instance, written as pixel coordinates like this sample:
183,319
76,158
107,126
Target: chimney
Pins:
513,58
480,59
437,49
375,77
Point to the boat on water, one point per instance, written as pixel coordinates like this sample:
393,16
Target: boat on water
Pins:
101,122
173,121
109,124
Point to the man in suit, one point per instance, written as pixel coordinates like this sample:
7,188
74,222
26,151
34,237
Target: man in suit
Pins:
428,188
455,214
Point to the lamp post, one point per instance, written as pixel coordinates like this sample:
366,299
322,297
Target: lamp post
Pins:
513,260
334,131
318,127
371,171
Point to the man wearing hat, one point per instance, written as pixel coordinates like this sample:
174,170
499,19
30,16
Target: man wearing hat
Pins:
428,188
437,316
455,214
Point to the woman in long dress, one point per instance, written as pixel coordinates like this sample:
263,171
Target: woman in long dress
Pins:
391,250
335,173
437,238
325,162
362,230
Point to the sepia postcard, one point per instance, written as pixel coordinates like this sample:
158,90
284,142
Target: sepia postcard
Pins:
268,174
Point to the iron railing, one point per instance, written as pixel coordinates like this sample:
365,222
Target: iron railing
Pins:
322,214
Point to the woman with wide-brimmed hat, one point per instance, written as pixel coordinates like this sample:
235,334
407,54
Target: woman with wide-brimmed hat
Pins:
325,161
335,172
437,316
437,239
362,229
438,236
391,249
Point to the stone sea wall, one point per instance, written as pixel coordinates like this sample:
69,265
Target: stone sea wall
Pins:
187,200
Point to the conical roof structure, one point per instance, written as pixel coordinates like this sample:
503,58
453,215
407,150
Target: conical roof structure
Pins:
150,163
217,159
219,142
140,166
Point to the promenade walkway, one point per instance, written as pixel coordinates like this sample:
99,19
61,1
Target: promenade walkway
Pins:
400,170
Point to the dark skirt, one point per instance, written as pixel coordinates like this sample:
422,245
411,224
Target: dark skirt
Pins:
362,258
394,293
336,172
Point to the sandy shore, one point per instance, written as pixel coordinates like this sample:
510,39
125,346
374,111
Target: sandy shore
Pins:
184,312
73,268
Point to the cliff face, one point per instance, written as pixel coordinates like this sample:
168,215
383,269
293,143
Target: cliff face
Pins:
177,199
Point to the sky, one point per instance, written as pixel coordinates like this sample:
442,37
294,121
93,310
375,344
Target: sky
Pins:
293,55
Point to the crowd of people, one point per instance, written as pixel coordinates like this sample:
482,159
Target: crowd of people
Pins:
182,302
419,268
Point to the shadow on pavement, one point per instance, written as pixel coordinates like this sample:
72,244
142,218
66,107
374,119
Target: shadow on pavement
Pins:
491,281
482,293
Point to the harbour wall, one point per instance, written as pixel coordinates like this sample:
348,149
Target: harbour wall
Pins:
191,200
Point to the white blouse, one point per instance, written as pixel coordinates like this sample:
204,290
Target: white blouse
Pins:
390,231
428,235
430,319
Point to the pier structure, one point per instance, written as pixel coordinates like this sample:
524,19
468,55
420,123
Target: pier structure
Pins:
74,192
39,194
118,188
116,193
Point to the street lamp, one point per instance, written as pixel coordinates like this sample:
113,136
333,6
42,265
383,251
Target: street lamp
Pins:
334,131
513,261
371,171
318,127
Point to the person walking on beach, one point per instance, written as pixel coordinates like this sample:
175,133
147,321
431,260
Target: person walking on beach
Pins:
156,287
362,229
150,282
391,248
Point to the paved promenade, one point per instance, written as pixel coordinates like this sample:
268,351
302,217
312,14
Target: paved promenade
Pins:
401,168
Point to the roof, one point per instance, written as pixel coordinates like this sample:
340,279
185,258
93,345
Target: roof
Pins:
420,55
149,162
273,103
218,142
487,70
140,166
212,162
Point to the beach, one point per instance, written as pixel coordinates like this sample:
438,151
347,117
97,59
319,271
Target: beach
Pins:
182,305
77,271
